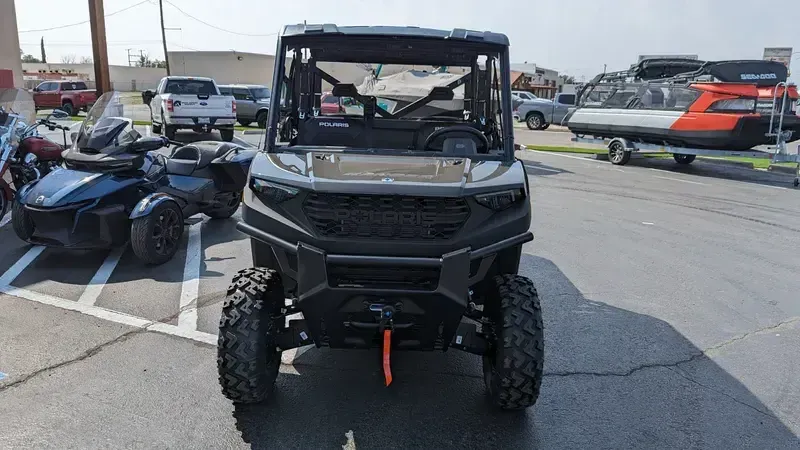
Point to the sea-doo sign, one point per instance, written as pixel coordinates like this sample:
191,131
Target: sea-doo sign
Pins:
758,76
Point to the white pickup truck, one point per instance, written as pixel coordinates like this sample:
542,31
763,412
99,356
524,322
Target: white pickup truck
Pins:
190,103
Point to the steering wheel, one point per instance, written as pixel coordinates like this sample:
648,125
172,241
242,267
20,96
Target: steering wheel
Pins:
462,129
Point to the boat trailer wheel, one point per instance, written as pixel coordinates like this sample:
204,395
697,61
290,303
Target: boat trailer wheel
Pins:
618,154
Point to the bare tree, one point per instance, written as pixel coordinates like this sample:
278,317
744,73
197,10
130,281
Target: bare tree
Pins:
86,60
68,59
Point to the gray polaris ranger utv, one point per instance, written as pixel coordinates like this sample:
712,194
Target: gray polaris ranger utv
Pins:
392,217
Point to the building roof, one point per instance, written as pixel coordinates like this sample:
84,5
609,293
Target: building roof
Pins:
456,33
515,76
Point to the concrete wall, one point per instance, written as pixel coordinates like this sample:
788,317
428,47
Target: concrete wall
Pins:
224,67
9,40
123,78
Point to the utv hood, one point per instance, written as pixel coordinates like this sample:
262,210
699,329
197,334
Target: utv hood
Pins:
387,174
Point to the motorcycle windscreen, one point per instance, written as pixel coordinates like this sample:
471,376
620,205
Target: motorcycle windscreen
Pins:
16,105
105,126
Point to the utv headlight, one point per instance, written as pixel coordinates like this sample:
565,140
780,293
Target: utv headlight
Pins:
499,201
274,192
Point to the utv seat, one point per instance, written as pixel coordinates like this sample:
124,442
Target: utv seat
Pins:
190,159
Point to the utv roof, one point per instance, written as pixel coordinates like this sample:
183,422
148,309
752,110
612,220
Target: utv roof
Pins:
388,31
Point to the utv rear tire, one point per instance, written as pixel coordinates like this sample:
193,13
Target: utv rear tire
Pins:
21,222
157,236
227,211
513,365
247,355
227,134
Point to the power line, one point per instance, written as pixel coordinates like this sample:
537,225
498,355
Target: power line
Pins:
85,21
214,26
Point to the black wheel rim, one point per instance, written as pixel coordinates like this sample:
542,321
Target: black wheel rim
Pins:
166,232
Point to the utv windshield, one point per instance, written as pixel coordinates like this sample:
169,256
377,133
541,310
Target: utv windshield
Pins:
386,94
106,126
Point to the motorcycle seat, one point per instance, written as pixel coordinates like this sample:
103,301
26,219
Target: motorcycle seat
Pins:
193,157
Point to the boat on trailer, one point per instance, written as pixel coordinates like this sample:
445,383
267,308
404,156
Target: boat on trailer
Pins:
716,105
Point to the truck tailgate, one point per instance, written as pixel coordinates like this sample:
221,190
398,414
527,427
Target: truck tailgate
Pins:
201,106
88,97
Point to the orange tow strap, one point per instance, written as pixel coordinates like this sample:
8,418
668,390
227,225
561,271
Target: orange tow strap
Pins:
387,346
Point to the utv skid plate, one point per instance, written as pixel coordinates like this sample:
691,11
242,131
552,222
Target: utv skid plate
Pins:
360,316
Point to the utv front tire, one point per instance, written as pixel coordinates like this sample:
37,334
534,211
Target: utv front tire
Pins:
513,365
21,222
247,355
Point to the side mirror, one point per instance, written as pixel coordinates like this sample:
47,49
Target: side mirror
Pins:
60,114
147,144
36,89
147,97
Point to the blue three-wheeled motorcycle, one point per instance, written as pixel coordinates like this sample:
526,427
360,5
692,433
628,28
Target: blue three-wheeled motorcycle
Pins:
117,187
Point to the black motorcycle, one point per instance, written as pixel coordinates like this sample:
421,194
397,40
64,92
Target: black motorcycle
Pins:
117,187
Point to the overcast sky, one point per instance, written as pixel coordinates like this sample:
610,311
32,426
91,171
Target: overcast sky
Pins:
572,36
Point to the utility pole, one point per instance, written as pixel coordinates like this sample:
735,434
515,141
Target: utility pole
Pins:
164,35
97,22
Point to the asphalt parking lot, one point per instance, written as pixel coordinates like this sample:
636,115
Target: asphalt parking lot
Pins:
671,321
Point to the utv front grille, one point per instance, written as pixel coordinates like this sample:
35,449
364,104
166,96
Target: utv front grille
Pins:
385,216
421,279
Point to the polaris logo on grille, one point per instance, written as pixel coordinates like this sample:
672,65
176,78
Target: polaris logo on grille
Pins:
361,216
759,76
334,124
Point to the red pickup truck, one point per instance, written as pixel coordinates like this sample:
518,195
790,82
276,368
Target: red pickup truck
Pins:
71,96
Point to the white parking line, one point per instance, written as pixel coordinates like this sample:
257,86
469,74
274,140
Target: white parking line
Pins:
107,314
6,219
187,319
100,278
678,179
16,269
542,168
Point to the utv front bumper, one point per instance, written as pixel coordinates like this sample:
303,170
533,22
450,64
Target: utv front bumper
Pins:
341,295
